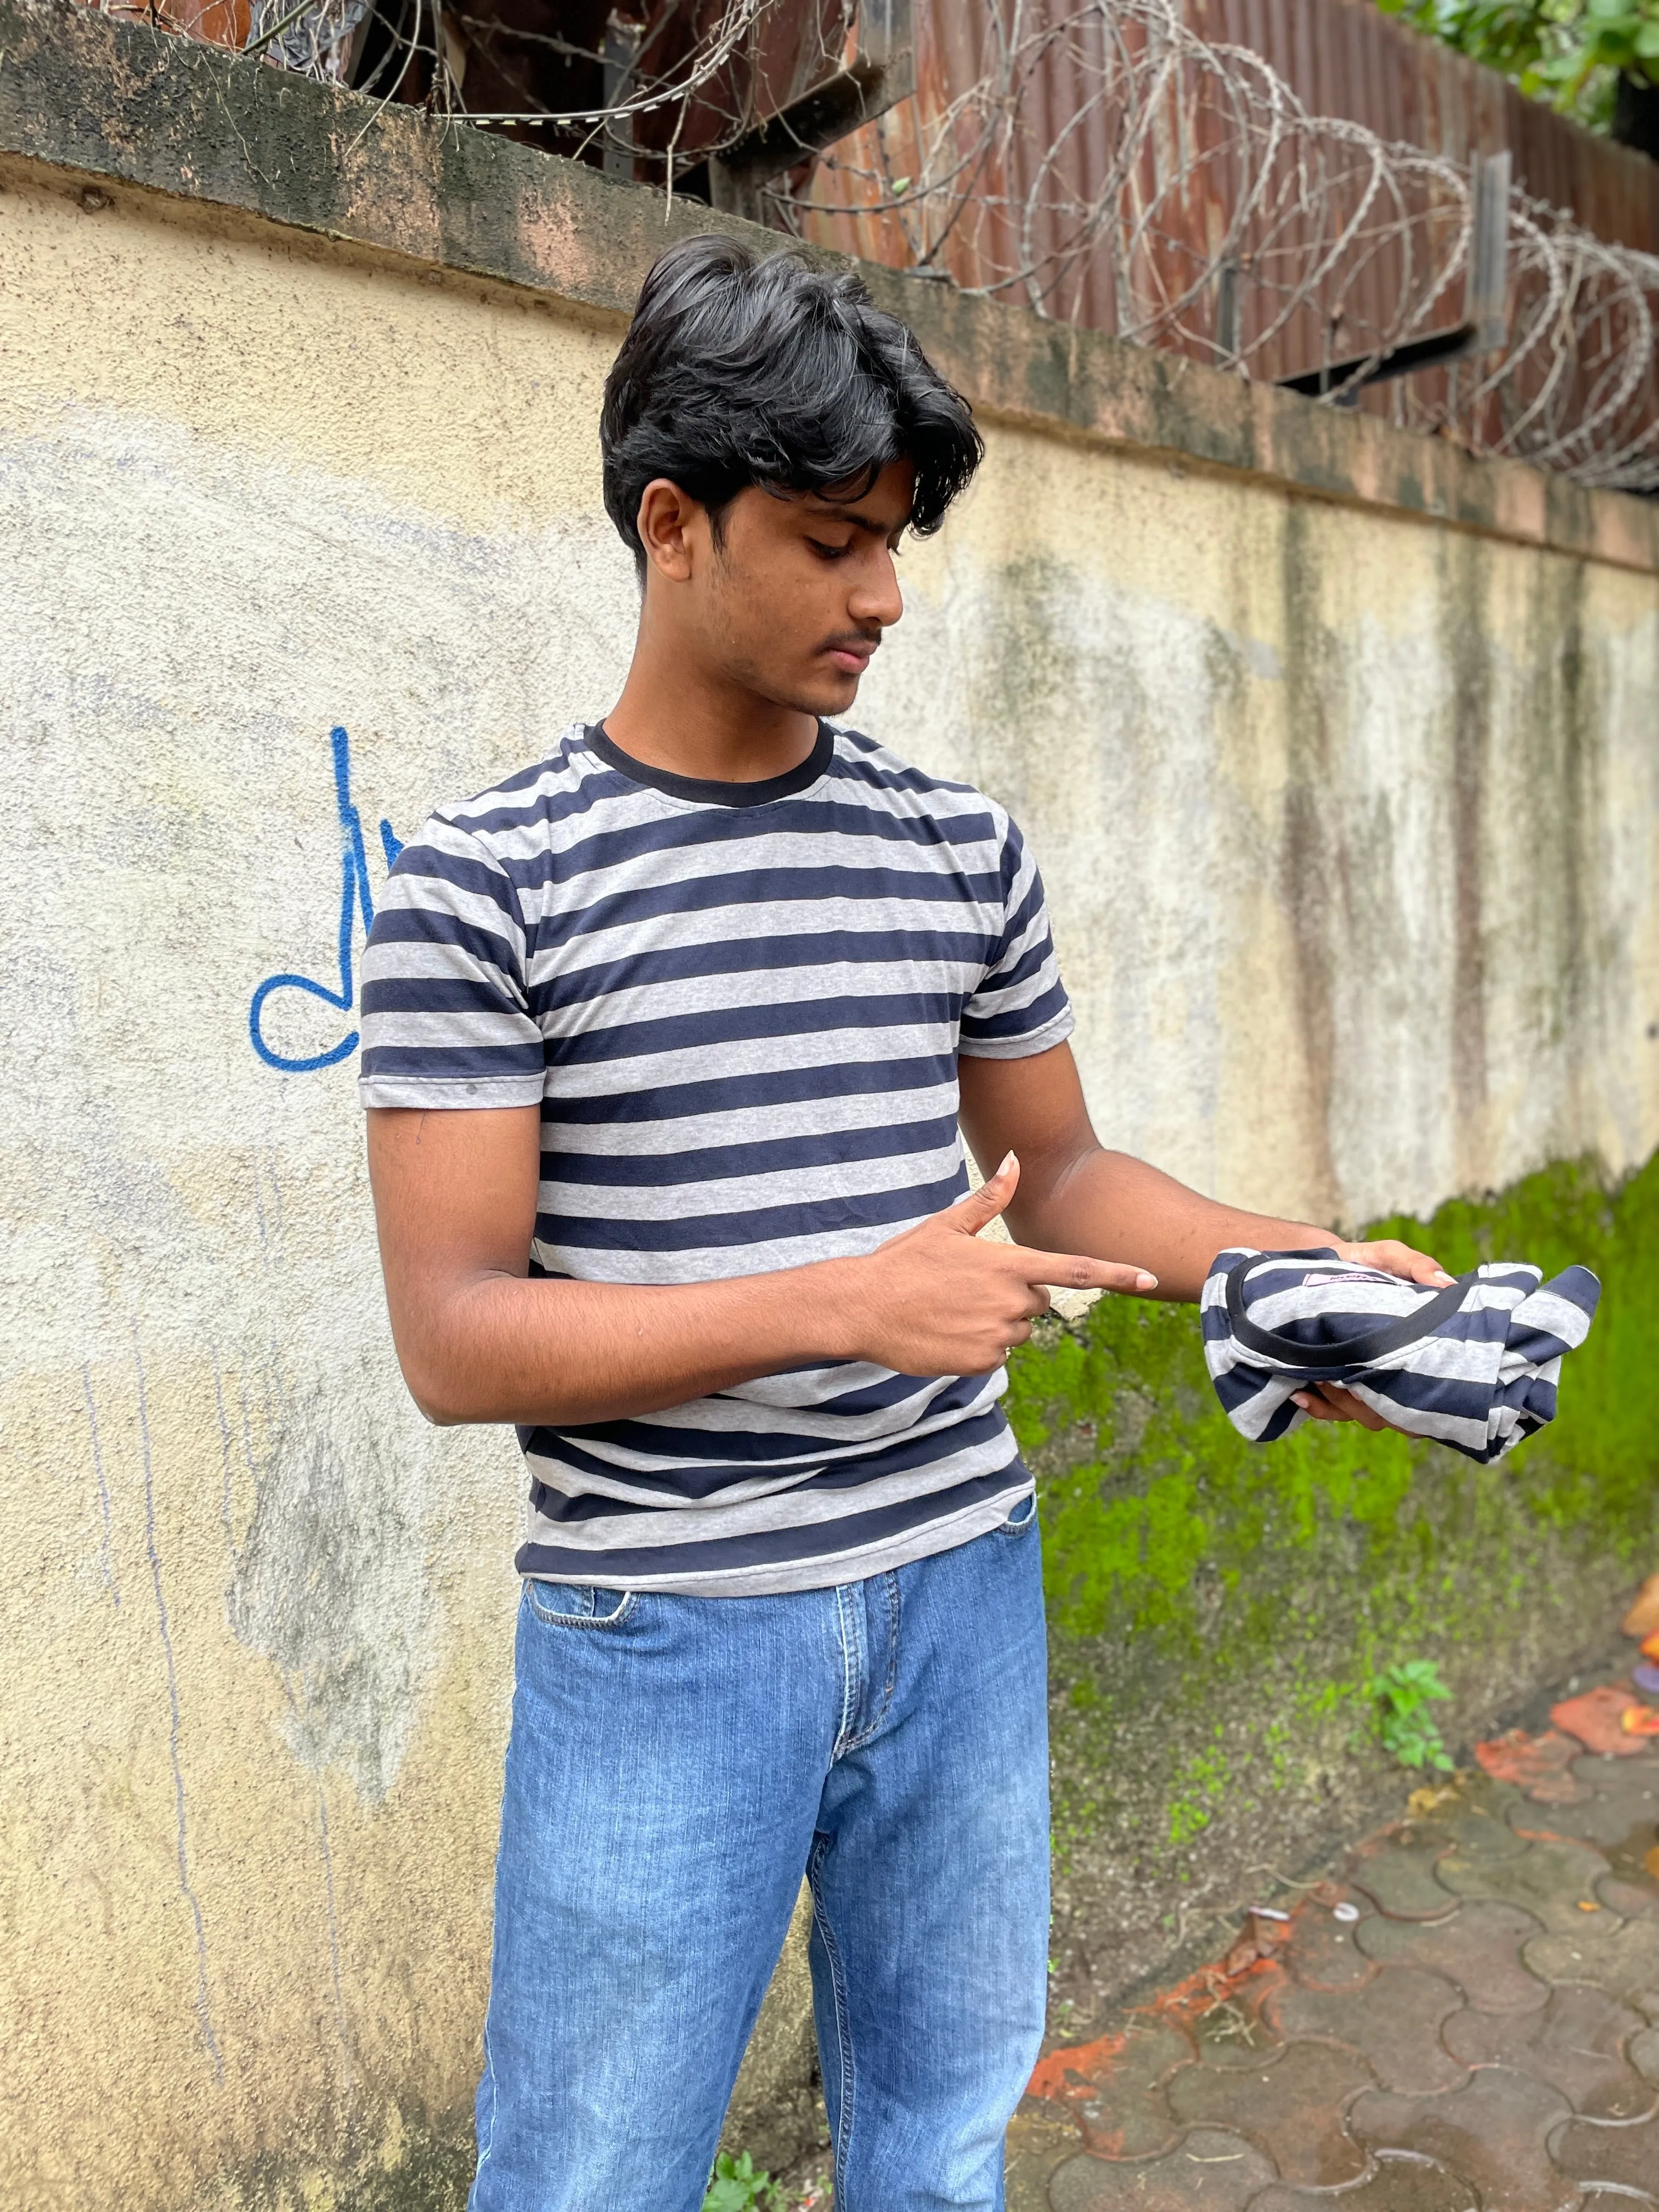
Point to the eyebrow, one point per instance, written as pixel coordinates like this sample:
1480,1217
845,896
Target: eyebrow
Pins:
827,511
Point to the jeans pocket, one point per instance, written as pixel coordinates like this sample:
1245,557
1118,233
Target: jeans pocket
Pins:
578,1605
1022,1518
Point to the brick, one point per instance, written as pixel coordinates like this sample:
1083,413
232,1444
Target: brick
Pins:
1539,1765
1323,1953
1236,2033
1111,2087
1041,2137
1211,2171
1399,1876
1628,2158
1595,1718
1480,1948
1629,1900
1620,1798
1578,2043
1397,2184
1624,1961
1493,2134
1553,1881
1291,2109
1393,2023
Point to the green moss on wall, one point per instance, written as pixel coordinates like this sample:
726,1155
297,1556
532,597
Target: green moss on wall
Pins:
1218,1607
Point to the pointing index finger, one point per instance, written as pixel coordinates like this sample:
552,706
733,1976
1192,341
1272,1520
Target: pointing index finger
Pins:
1073,1271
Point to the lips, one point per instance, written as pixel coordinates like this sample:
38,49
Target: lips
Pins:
852,657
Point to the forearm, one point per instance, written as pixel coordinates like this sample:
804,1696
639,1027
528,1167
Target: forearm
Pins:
506,1347
479,1340
1118,1208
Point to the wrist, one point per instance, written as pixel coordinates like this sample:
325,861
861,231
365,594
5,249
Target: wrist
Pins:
835,1309
1310,1238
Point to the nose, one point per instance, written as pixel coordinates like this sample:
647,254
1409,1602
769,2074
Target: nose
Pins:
875,596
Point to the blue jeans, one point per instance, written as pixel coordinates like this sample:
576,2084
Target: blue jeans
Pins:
676,1765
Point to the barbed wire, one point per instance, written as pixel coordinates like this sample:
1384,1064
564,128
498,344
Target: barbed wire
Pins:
679,76
677,59
1095,160
1100,163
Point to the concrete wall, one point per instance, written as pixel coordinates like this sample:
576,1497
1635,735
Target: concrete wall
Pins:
1348,817
256,1613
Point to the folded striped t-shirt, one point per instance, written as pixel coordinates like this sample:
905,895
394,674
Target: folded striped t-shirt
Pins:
1474,1364
739,1007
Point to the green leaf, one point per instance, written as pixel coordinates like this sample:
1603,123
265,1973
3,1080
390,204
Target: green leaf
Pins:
1567,52
736,2186
1402,1692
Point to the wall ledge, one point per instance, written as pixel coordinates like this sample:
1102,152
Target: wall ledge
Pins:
89,98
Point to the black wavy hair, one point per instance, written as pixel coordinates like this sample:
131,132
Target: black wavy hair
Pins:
741,367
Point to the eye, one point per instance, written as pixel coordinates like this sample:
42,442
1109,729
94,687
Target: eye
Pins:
828,552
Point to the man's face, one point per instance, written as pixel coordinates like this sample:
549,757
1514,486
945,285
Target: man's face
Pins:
797,595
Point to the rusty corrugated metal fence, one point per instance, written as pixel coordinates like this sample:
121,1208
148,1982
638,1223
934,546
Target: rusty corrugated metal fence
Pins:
1280,187
1345,58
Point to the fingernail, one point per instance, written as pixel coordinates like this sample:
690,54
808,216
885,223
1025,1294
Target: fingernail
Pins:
1441,1276
1145,1282
1007,1161
1299,1398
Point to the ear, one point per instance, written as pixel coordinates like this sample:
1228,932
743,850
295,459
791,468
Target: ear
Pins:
669,523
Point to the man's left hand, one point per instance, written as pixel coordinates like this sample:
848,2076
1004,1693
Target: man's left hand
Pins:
1329,1401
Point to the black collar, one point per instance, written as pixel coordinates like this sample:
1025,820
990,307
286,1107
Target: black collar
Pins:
705,790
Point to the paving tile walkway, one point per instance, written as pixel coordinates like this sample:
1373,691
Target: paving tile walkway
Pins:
1463,2016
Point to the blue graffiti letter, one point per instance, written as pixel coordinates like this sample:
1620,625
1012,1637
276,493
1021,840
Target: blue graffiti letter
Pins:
355,897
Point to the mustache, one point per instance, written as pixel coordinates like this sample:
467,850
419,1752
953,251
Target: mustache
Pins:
856,641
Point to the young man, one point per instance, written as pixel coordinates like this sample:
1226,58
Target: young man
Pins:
701,998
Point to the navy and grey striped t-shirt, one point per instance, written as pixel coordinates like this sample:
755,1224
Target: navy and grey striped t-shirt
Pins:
739,1007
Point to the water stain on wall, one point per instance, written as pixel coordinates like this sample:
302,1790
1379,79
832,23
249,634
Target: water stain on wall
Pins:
330,1582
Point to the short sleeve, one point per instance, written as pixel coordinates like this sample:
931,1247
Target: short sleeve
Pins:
446,1015
1019,1006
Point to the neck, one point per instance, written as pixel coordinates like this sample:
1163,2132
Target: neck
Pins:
678,712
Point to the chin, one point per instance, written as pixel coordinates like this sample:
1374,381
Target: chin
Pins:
816,699
811,690
833,694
